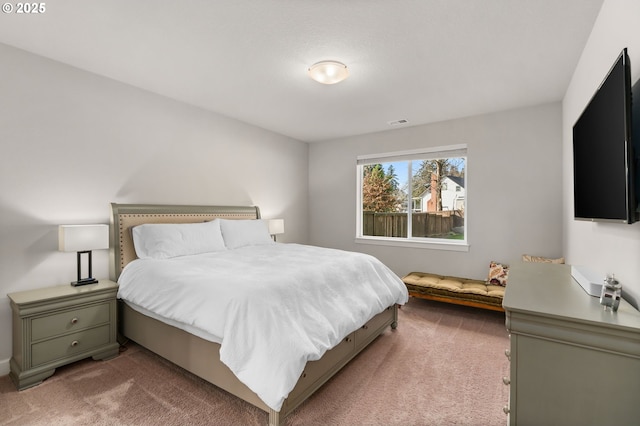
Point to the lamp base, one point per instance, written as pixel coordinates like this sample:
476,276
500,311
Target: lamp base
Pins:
88,279
84,281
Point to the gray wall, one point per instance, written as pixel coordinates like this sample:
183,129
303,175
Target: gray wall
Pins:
513,182
603,247
72,142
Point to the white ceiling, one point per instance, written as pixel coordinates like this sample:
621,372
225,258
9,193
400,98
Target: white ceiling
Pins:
419,60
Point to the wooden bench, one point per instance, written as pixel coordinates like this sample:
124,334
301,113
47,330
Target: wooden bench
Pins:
460,291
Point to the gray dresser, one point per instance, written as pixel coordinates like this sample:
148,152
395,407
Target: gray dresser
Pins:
57,325
572,362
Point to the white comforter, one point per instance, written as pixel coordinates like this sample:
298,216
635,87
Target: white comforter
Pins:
274,307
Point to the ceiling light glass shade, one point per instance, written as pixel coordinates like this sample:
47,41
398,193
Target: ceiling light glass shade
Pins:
328,72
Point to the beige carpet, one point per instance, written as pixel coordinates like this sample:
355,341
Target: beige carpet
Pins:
442,366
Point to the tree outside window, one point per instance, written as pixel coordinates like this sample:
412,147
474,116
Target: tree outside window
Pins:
435,209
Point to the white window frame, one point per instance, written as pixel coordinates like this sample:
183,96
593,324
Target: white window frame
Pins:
450,151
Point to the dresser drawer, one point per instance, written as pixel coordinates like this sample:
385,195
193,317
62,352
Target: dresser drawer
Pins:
69,321
69,345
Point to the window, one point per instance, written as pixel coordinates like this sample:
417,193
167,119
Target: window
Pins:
413,197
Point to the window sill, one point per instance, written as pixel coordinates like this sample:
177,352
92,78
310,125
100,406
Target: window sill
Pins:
397,242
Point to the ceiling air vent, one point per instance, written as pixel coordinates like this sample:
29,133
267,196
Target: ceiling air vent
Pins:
398,122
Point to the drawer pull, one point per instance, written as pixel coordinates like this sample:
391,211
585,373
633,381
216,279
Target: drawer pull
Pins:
507,353
506,381
74,320
506,409
365,327
348,339
74,343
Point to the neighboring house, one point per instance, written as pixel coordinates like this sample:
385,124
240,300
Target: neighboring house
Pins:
453,193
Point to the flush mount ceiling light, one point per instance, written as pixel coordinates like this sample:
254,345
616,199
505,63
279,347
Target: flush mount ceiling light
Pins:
328,72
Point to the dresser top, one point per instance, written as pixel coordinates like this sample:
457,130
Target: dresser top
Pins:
550,290
61,291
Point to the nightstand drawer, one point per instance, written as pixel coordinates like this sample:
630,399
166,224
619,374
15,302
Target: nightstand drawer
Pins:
69,345
69,321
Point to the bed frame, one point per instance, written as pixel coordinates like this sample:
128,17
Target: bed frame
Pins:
202,357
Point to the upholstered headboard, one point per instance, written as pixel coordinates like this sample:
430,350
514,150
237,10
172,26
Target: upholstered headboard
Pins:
125,216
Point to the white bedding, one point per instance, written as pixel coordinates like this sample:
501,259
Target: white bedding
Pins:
274,307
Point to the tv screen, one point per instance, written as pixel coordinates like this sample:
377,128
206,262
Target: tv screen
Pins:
603,155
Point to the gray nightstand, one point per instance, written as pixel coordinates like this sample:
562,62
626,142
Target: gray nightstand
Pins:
58,325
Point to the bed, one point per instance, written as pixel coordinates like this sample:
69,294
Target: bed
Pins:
208,357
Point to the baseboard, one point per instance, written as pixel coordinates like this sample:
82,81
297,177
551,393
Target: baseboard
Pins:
4,367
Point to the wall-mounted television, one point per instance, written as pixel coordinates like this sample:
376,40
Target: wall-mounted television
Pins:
604,158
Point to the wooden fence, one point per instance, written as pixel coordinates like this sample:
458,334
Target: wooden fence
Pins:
425,224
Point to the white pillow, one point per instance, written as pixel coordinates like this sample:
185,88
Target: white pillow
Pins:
239,233
166,240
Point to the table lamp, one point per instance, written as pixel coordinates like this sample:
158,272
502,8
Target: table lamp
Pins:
82,239
276,227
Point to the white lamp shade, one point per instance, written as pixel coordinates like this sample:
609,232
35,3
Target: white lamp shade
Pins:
328,72
276,226
83,237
